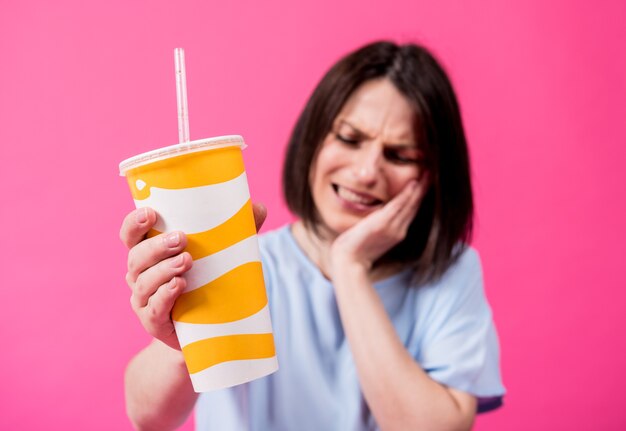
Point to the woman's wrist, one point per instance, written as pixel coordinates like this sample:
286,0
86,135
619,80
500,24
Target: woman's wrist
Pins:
174,356
349,273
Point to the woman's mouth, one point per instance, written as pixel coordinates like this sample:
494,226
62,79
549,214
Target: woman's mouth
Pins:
356,198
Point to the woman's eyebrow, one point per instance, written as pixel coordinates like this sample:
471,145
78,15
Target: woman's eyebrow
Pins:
356,129
399,145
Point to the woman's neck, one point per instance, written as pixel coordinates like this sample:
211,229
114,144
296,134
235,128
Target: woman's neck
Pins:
316,246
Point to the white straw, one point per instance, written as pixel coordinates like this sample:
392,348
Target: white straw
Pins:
181,95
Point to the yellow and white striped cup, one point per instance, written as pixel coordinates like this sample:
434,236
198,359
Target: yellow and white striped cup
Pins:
222,318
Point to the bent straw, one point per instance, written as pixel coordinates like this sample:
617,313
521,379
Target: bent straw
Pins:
181,95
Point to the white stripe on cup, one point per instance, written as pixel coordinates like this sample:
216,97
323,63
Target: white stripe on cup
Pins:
197,209
208,268
258,323
232,373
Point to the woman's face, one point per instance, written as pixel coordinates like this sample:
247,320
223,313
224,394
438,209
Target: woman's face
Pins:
370,154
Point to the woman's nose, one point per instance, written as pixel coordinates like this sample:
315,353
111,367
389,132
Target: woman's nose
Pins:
367,166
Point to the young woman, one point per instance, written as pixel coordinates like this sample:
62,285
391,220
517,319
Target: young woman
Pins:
377,303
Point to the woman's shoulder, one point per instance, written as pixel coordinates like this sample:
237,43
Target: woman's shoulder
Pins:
466,267
461,281
468,261
279,248
276,240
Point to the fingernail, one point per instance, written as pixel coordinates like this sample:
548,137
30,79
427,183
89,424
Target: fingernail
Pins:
173,239
172,284
141,216
178,261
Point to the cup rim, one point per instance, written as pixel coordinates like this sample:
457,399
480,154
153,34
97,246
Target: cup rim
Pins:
178,149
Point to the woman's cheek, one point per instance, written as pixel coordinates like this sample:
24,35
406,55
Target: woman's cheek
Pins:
330,157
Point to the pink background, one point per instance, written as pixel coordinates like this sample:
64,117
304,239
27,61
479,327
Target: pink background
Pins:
86,84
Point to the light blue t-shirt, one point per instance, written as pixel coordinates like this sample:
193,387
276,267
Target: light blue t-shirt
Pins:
446,326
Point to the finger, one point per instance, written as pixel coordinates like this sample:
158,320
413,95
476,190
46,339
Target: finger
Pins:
412,201
136,225
153,250
156,314
159,308
260,214
403,210
400,202
408,211
149,281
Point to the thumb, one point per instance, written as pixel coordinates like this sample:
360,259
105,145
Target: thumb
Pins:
260,213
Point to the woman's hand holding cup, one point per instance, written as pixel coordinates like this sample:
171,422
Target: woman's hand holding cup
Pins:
155,270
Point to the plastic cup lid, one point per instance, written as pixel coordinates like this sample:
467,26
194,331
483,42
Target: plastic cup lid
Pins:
180,149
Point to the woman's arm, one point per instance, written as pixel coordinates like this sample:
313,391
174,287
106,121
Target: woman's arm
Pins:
159,395
399,393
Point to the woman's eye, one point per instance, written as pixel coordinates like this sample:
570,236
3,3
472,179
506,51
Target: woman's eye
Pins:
400,157
347,139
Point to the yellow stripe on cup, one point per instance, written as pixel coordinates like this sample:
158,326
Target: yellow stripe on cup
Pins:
237,228
233,296
200,169
212,351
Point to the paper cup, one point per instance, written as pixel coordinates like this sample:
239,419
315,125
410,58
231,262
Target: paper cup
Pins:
222,318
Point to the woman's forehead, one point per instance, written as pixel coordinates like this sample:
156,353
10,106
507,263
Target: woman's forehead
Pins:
377,108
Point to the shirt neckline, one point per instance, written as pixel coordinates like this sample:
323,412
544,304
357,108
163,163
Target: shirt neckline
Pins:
302,257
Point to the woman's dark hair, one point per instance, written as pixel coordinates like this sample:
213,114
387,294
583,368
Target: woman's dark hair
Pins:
443,225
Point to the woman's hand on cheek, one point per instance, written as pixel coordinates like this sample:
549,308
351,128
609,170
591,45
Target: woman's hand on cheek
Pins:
371,237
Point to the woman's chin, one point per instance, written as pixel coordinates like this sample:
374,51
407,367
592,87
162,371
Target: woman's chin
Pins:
331,230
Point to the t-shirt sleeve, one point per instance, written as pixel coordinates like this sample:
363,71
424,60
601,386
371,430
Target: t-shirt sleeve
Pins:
460,346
